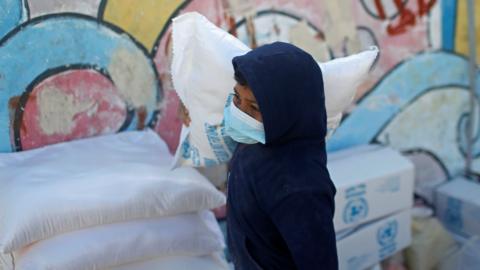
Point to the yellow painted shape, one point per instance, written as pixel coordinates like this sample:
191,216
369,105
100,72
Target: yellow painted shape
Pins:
461,31
143,19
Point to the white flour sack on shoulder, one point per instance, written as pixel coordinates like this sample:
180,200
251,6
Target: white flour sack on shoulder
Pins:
202,75
341,78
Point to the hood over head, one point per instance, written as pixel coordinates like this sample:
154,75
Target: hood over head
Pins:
287,83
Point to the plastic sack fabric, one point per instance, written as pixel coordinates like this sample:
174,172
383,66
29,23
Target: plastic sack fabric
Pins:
207,262
99,247
203,77
102,180
210,262
341,78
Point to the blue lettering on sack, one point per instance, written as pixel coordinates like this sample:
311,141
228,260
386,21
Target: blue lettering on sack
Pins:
229,142
210,162
186,149
216,143
356,208
190,152
386,238
195,156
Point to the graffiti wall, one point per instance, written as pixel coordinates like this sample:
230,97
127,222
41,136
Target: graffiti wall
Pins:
72,69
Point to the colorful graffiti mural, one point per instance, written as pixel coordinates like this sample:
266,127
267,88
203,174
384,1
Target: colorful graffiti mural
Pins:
73,69
417,100
46,47
13,13
397,13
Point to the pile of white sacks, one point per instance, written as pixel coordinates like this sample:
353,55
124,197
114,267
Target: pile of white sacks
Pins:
108,202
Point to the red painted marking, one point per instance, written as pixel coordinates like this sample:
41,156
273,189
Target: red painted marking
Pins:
380,9
406,19
84,86
425,7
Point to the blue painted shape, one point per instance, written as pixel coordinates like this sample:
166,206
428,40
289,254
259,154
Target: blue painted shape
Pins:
397,90
12,14
449,18
50,42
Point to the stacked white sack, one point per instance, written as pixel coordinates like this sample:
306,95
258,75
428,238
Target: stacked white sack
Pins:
101,202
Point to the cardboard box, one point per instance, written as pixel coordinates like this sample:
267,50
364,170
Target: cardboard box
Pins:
372,182
458,206
375,241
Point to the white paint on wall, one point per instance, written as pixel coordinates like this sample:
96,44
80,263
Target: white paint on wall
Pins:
57,110
435,26
430,123
133,77
43,7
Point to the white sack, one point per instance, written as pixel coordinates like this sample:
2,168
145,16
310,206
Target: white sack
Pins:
209,262
95,181
341,78
202,74
99,247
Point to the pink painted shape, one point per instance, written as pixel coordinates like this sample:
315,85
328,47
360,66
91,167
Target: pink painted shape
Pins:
84,86
169,124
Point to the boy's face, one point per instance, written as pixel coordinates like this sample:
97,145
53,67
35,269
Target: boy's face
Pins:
246,102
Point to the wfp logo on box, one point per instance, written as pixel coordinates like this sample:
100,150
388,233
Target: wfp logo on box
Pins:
386,236
357,206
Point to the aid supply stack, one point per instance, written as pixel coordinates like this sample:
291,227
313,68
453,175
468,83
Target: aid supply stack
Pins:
202,74
457,205
372,205
109,202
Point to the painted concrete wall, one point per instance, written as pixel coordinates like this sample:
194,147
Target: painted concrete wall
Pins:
72,69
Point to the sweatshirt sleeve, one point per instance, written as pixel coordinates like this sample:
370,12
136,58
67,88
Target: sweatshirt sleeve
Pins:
305,221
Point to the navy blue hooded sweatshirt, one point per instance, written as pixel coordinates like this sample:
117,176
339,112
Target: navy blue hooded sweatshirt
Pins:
280,196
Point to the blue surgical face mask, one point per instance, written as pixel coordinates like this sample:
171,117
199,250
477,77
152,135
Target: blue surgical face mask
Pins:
241,127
